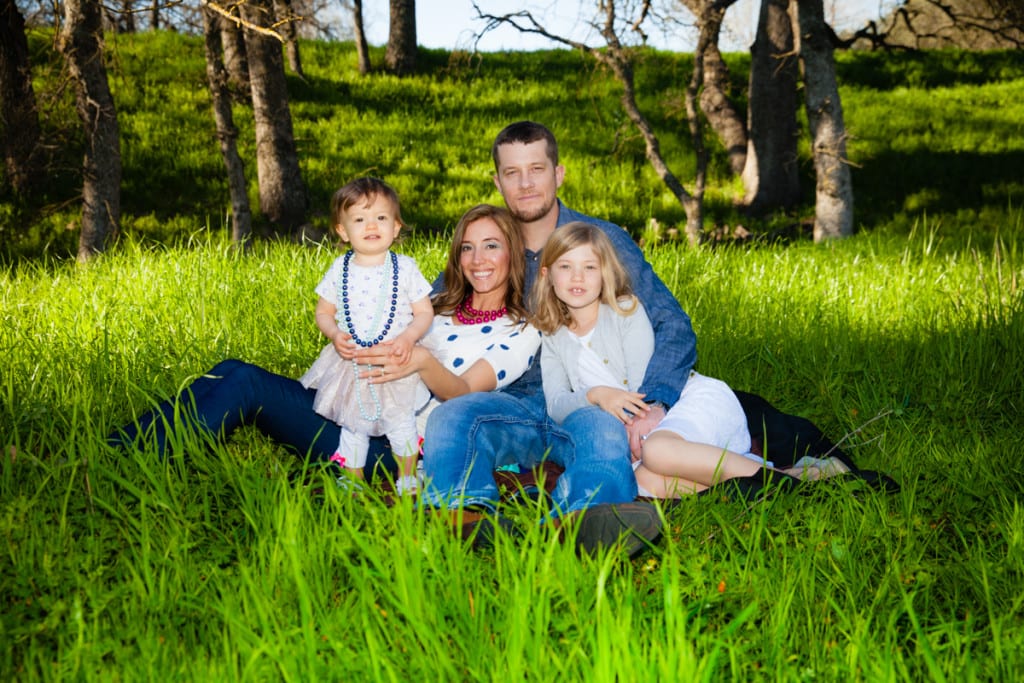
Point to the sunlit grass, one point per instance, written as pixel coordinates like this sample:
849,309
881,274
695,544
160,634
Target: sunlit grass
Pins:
219,565
902,342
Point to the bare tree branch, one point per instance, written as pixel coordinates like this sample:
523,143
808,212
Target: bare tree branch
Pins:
619,59
918,24
236,18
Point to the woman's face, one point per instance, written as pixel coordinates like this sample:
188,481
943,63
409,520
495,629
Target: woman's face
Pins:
484,257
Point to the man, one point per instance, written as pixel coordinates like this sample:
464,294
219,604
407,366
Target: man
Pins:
468,437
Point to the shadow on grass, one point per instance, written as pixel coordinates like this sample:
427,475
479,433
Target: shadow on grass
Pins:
937,183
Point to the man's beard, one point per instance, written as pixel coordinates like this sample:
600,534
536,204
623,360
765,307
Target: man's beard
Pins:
530,216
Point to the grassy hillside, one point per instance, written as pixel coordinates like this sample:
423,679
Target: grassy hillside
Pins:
222,563
937,134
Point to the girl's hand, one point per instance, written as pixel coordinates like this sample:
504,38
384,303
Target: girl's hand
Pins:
618,402
401,350
344,345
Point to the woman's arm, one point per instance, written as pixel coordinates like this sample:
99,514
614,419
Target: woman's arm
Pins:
442,382
445,384
491,361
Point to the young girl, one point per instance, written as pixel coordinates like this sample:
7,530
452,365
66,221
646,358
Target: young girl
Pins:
370,296
597,343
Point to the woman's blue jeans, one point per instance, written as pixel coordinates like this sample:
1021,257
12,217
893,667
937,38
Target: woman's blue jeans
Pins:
233,394
468,437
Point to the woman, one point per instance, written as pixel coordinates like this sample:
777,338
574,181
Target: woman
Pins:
482,340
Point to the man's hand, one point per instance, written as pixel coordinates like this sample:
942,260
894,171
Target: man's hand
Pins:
641,426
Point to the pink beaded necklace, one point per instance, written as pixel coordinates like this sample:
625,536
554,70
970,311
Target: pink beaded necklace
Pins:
467,315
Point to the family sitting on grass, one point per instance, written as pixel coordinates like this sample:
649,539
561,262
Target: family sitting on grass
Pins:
547,339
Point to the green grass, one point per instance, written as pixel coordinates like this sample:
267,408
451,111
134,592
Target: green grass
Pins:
217,566
903,341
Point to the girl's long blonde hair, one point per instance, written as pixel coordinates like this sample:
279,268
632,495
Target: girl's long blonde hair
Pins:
549,313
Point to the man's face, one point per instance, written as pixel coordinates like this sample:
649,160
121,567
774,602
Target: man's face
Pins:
528,180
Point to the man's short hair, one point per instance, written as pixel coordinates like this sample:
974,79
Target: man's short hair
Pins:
525,132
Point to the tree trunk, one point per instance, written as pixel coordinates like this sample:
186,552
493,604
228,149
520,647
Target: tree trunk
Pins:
771,177
227,133
722,114
125,19
694,205
286,19
154,15
20,115
400,57
282,193
833,204
235,61
691,205
101,187
362,49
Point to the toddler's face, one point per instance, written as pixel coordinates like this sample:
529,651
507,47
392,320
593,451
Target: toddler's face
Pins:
371,227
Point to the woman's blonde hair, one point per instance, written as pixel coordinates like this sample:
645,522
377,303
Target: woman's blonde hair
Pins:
457,288
549,313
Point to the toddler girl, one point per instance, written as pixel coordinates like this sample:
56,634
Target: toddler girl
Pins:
370,296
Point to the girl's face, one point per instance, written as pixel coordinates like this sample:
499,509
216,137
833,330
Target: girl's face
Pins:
484,257
371,227
576,278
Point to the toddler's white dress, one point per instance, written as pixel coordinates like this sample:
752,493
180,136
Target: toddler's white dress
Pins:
341,396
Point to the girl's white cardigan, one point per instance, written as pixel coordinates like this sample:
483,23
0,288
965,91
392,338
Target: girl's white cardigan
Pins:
624,342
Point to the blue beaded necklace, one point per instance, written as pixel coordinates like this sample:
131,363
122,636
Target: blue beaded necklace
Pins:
344,316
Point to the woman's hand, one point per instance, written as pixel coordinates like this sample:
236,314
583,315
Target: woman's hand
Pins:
385,368
641,426
618,402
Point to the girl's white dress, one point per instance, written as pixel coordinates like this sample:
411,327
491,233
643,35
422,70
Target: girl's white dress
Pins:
341,396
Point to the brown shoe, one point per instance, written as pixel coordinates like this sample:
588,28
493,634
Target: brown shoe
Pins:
481,530
634,526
